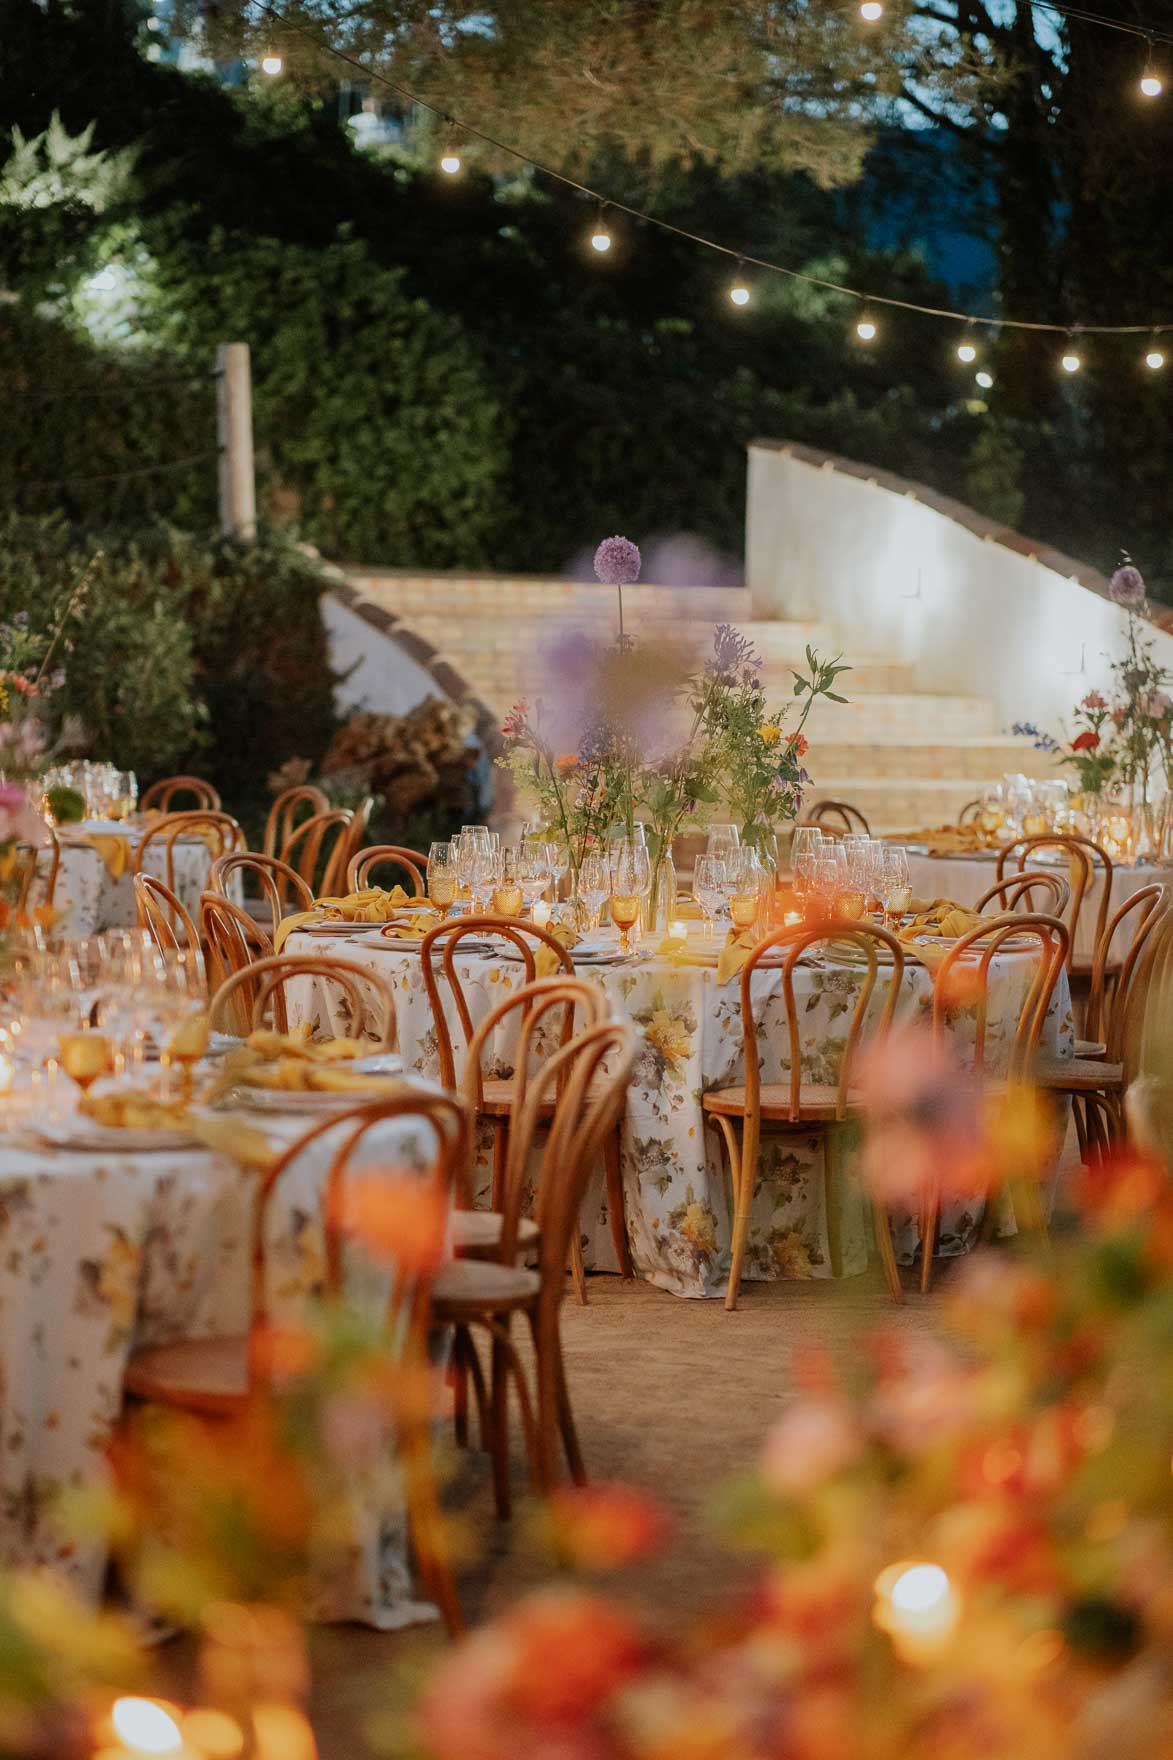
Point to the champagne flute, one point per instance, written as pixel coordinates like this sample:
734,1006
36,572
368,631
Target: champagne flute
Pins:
594,882
442,876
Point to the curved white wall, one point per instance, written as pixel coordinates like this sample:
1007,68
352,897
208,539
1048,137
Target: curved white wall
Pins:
900,578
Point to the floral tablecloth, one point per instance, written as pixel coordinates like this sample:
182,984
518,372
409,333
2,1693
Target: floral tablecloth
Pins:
91,899
965,878
104,1252
676,1191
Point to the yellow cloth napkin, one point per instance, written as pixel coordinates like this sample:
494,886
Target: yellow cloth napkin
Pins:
115,852
410,928
736,951
134,1109
237,1141
271,1045
546,962
371,905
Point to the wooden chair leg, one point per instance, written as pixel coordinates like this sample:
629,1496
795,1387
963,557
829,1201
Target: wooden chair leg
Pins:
742,1189
887,1252
616,1208
480,1391
500,1156
554,1408
929,1219
577,1269
499,1428
458,1374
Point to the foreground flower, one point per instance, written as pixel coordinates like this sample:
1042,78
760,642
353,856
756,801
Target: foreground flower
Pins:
604,1527
1087,741
617,562
770,733
813,1441
1127,587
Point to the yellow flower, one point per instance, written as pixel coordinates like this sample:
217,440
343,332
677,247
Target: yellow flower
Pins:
770,733
668,1035
699,1228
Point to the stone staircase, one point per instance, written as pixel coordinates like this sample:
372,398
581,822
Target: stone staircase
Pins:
904,757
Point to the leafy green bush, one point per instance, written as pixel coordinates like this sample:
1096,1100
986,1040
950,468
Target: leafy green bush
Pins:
184,652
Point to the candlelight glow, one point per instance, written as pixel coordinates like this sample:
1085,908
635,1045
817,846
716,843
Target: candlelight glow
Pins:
917,1606
145,1727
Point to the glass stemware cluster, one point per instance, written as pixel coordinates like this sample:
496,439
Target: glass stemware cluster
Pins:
109,793
842,876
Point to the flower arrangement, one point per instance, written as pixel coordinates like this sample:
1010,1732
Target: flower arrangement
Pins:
1088,750
27,690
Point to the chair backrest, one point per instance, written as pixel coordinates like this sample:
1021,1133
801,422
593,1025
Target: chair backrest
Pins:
525,937
867,938
409,861
975,951
1084,856
162,914
219,831
361,818
1031,890
285,812
837,814
277,883
969,811
36,889
366,997
449,1171
1145,1013
318,850
233,940
1109,1019
161,794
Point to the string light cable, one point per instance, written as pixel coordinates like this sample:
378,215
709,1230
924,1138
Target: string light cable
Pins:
604,203
141,470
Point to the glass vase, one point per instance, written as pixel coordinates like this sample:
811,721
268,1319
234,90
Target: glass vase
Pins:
661,898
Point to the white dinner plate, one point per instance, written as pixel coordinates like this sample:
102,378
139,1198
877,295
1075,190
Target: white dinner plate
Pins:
78,1132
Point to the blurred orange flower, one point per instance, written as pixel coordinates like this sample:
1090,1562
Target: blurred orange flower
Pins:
399,1215
605,1527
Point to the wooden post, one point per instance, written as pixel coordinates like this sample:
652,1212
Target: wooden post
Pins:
234,413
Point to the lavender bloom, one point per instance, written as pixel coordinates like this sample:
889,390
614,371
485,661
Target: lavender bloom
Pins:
1042,741
617,562
1127,587
731,651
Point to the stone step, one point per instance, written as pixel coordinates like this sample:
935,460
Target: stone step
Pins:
496,595
501,674
903,716
889,805
982,760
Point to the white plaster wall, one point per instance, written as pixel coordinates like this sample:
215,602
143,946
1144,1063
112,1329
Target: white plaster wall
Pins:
384,679
899,579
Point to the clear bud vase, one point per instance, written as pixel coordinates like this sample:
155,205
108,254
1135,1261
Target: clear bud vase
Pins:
661,899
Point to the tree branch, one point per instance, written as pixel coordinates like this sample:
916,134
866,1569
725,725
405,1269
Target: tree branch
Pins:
960,129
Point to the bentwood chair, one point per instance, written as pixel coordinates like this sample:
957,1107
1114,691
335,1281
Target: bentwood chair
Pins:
969,811
965,972
837,816
739,1113
1096,1084
218,831
232,938
161,794
221,1378
586,1102
361,998
360,820
409,862
493,1095
1030,891
162,914
1087,861
279,886
287,810
318,851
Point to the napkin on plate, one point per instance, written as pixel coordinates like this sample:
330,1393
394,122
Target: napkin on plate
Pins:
114,852
410,928
546,961
371,905
737,949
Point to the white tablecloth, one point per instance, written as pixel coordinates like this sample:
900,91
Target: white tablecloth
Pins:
90,899
676,1191
965,878
105,1252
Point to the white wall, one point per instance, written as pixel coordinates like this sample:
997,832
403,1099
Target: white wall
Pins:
900,579
385,679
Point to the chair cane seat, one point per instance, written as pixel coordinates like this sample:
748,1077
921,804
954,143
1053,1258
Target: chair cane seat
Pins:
476,1234
818,1102
1078,1074
1091,1048
497,1099
201,1374
471,1286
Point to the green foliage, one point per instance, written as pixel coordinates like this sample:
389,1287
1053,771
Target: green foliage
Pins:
185,652
53,188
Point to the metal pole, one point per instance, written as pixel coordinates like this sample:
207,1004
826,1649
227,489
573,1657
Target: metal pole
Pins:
234,413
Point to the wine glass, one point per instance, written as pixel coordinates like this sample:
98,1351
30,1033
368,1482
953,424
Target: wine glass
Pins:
722,841
45,1003
897,894
708,887
442,875
594,882
631,876
805,846
176,992
124,1013
476,862
508,896
744,879
84,1057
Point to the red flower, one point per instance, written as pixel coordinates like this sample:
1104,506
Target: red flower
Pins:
605,1527
514,723
1086,742
799,744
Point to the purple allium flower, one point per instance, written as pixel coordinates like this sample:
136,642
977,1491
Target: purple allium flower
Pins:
1127,587
731,650
617,562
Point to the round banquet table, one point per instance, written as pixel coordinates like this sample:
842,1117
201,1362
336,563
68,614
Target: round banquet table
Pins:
676,1192
108,1251
965,878
91,898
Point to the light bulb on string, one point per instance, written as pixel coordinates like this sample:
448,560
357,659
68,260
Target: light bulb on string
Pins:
966,351
1151,83
871,10
272,64
1070,360
985,380
1154,360
865,329
450,162
739,292
601,240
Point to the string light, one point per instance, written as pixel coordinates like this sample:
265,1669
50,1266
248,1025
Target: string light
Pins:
601,239
272,65
450,162
985,380
739,292
966,352
1151,84
1154,359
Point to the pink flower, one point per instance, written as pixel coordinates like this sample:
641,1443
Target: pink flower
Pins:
617,562
17,817
1127,587
1094,700
1156,705
812,1441
922,1117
